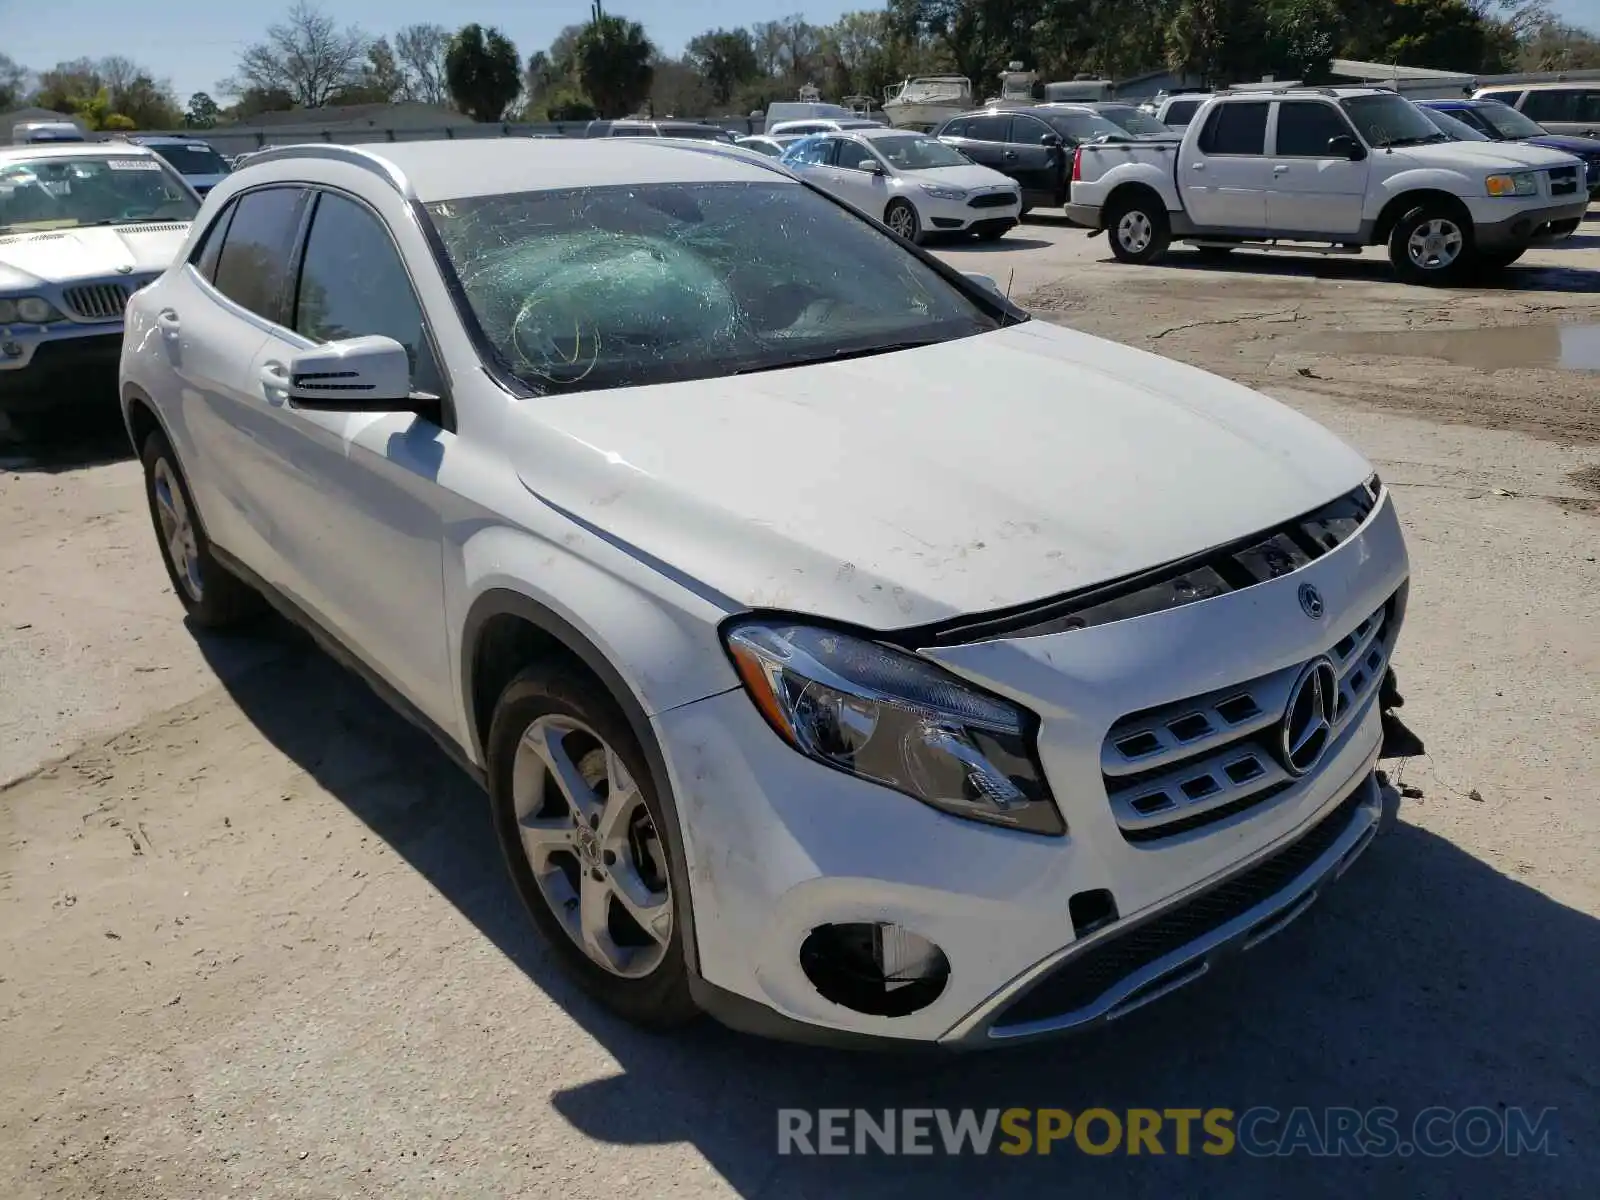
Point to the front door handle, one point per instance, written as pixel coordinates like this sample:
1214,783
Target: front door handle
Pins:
1010,154
1279,169
275,382
167,322
1199,166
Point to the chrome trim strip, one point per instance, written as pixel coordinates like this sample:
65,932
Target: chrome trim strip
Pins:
975,1027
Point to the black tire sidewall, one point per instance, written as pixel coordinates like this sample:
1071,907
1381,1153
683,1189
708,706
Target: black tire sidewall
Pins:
1408,271
661,999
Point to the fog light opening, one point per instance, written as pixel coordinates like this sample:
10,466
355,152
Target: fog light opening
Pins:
874,967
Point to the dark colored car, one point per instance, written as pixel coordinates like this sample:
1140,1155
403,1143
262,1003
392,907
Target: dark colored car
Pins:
665,129
1032,144
1501,123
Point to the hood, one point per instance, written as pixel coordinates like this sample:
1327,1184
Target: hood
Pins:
923,484
65,255
1567,143
970,177
1492,156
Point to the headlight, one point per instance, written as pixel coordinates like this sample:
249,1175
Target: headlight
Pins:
36,310
944,193
1523,183
895,720
8,311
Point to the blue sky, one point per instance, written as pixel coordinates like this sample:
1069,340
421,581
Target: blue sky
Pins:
194,45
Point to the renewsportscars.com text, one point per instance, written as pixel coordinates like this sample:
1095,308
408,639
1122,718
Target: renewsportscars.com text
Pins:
1259,1132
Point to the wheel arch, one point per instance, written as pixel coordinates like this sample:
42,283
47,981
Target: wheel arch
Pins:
1130,192
504,632
1411,199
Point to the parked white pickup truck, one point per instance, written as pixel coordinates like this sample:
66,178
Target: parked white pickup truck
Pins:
1327,170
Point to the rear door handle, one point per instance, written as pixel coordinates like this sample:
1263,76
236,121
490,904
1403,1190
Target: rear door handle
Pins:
1010,154
1199,166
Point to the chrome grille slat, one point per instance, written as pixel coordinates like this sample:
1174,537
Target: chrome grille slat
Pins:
1154,778
96,301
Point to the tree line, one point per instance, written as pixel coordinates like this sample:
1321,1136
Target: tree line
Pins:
609,67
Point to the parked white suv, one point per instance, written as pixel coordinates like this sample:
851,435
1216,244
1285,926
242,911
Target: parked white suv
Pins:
806,690
1329,168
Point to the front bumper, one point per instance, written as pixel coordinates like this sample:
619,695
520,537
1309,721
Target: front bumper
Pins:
961,216
59,369
1527,227
777,845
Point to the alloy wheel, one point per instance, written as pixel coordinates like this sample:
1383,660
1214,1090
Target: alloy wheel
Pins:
903,221
592,845
1134,231
1435,244
177,530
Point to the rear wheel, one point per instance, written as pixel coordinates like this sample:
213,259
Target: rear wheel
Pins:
1431,245
1139,230
902,219
213,597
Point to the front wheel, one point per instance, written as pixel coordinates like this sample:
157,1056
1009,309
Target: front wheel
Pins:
1431,245
582,831
1139,230
901,218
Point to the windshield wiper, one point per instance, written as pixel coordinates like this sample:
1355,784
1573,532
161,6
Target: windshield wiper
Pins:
839,355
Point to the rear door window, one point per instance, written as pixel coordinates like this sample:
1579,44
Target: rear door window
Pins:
1180,113
1558,104
990,129
252,269
1237,129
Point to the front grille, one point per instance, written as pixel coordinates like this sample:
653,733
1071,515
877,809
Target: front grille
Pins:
96,301
1193,762
1564,181
993,200
1085,977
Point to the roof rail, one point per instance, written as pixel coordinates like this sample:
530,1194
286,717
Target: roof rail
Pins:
354,156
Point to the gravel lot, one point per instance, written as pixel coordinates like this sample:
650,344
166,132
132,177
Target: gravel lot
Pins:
254,936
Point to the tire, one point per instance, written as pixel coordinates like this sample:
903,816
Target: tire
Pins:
211,595
1432,245
1139,230
902,218
559,864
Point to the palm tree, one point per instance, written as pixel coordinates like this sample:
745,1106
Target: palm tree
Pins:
614,63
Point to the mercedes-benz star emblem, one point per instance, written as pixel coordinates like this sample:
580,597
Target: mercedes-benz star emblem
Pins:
1308,717
1311,602
124,270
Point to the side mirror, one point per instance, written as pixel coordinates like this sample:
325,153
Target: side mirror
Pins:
363,374
873,167
1053,140
1345,146
985,281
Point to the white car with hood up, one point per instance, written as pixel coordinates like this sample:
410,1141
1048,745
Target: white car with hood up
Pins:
912,182
82,227
806,692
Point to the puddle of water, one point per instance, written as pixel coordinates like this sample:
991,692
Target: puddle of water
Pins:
1570,347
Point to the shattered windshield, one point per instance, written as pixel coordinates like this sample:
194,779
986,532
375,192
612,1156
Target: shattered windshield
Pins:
626,285
61,193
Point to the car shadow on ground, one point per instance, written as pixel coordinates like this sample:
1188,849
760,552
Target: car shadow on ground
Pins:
1011,241
1423,978
1522,277
65,443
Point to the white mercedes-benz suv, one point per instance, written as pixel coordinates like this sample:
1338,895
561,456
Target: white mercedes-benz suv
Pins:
843,653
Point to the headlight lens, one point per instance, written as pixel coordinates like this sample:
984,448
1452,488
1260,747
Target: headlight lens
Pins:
8,311
893,719
1523,183
36,310
944,193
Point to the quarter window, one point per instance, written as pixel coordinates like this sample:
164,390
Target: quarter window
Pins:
205,258
1305,127
353,284
252,268
1236,129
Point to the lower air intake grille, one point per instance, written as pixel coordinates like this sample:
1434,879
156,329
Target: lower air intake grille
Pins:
1083,978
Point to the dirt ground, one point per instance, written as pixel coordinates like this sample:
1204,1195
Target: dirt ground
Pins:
255,940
